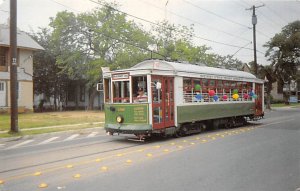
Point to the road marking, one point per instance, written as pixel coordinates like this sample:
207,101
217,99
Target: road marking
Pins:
48,140
76,176
43,185
98,160
69,166
37,174
20,144
71,137
93,134
104,168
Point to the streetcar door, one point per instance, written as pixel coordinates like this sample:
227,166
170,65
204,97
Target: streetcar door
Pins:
258,100
162,101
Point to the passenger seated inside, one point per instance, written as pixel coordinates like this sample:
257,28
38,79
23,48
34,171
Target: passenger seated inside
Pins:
142,96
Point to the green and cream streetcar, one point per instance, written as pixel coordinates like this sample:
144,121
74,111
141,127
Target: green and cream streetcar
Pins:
170,98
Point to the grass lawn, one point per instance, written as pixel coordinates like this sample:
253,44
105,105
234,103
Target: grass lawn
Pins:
34,120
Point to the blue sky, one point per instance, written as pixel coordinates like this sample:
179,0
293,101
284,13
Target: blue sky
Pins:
224,21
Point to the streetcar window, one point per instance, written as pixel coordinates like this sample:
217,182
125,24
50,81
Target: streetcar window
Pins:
196,83
219,88
121,92
220,84
226,84
245,86
139,89
239,85
187,84
187,90
212,83
156,91
205,84
107,90
233,84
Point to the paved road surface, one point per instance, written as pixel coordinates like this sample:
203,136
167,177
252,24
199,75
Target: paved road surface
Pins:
264,156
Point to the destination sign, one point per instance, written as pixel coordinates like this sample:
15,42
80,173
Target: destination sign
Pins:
120,76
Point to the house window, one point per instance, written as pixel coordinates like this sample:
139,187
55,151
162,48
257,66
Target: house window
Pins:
1,86
82,93
3,58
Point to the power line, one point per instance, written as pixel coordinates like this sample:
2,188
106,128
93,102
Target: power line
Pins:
210,12
254,22
209,40
275,13
125,42
240,49
271,21
196,22
229,20
243,5
64,5
245,2
132,44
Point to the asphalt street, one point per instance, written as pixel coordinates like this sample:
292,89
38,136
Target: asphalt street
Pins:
263,156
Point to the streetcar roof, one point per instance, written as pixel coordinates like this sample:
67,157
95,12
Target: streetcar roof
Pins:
183,69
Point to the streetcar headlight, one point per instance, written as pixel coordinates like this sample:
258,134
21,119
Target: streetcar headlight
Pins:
119,119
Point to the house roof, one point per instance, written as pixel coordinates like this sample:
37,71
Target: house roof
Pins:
23,39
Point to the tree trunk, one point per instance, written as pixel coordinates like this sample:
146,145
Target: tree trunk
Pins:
55,101
76,97
268,100
92,98
286,98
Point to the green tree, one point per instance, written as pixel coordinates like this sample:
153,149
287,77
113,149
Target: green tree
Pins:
268,73
88,41
47,76
175,43
227,62
284,53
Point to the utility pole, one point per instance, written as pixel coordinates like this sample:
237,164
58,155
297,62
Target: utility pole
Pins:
254,22
13,68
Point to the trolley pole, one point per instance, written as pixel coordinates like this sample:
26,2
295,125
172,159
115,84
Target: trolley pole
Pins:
254,22
13,67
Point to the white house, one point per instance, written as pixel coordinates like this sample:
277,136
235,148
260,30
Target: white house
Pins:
25,47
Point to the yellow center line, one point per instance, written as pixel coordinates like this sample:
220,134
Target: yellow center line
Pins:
179,147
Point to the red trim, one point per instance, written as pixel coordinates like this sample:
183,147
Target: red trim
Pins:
166,105
258,101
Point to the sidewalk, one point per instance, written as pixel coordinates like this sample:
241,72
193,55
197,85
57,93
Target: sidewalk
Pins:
56,126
